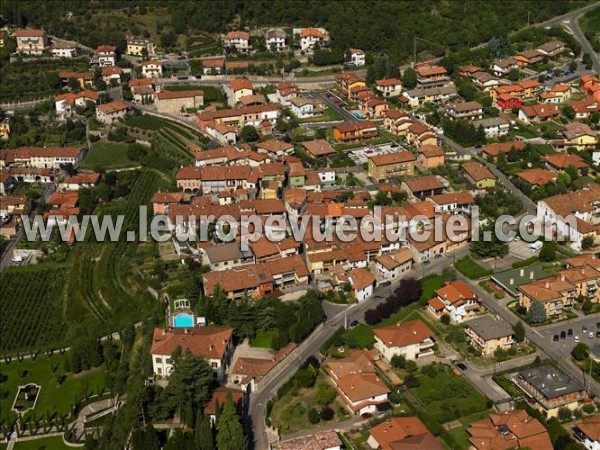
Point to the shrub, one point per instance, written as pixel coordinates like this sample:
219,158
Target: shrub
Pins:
398,361
564,414
395,397
326,413
580,352
445,319
313,416
410,366
429,371
411,382
589,408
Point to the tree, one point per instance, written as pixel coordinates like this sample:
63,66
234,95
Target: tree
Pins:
587,242
230,434
445,319
573,66
325,395
586,59
492,247
326,413
411,382
313,417
548,251
514,75
249,134
145,439
580,352
536,313
568,112
519,330
204,436
409,78
189,384
398,361
410,366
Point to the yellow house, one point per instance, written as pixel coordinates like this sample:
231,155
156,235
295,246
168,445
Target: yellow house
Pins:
240,88
137,46
580,136
391,165
479,175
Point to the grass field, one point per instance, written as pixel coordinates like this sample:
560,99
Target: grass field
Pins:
430,284
448,396
263,339
108,155
363,335
51,443
471,269
54,397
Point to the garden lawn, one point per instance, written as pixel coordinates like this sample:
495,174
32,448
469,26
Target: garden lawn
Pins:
448,396
471,269
401,315
363,335
263,339
53,397
50,443
108,155
430,284
460,435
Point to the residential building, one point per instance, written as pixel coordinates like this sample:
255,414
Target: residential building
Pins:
31,42
303,108
508,102
507,430
64,50
552,48
275,40
537,176
402,433
554,293
319,440
412,340
217,401
319,148
109,113
493,127
389,87
393,264
309,37
240,40
391,165
586,107
432,75
357,383
528,58
465,110
347,81
538,113
275,148
213,66
106,55
210,342
152,69
348,133
85,79
503,66
357,57
418,135
80,180
286,91
41,157
560,161
549,389
240,87
139,46
240,117
225,256
479,175
485,81
175,102
430,156
437,95
588,432
492,150
396,121
424,186
362,282
453,202
487,334
580,136
111,75
67,102
456,299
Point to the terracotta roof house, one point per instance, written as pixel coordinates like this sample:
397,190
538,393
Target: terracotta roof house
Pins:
391,165
412,339
318,148
537,176
479,175
362,282
588,432
538,113
455,299
402,433
494,149
507,430
560,161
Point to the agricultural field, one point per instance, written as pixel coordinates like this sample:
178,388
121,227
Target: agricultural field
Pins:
59,390
108,156
32,308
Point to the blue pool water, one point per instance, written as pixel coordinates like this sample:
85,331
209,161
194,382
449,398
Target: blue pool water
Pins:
183,321
358,114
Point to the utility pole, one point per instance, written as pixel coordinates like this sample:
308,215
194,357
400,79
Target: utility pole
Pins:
414,52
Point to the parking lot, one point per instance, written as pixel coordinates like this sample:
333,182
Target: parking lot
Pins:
564,336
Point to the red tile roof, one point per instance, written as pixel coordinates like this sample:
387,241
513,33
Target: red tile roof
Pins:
207,341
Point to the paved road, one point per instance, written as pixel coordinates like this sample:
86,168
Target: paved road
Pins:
348,117
311,345
528,204
545,346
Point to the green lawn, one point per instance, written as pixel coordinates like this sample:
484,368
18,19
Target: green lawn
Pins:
108,155
51,443
46,372
430,284
263,339
363,335
448,396
401,315
471,269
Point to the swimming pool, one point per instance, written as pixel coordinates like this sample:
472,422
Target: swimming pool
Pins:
183,321
358,114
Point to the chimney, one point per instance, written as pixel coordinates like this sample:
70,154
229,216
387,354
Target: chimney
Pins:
562,277
512,281
531,275
547,284
522,272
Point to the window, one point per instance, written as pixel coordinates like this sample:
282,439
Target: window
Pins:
158,360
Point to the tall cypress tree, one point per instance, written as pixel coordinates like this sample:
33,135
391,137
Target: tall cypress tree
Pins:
230,434
205,439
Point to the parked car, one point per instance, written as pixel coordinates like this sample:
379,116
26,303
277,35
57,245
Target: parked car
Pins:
353,323
555,338
385,283
584,329
563,334
591,335
576,338
570,332
598,334
461,366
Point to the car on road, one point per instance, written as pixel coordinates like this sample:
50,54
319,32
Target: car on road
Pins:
570,332
597,325
591,335
598,334
353,323
576,338
584,329
555,338
385,283
461,366
563,334
426,263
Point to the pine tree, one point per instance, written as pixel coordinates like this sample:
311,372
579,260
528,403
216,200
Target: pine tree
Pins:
204,436
230,434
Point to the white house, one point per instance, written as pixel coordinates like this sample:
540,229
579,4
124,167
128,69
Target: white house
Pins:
356,57
456,300
363,283
213,343
494,126
389,87
302,108
588,432
152,69
238,39
64,50
106,55
391,265
309,37
503,66
275,40
413,340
